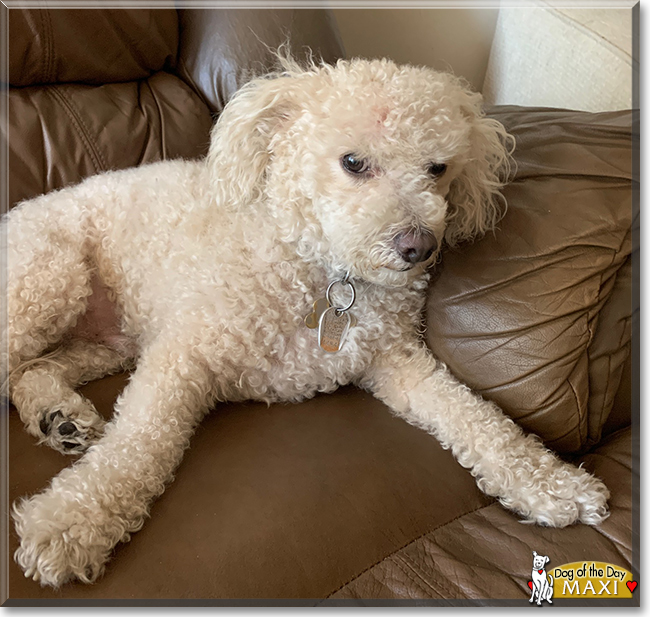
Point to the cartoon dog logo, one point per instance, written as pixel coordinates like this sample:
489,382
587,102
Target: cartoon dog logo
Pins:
542,583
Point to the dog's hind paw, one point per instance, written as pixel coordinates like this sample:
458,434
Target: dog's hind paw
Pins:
72,427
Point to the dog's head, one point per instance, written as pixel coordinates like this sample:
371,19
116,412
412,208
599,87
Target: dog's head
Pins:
366,165
539,561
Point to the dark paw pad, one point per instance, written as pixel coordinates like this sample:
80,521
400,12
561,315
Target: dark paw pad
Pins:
67,428
46,421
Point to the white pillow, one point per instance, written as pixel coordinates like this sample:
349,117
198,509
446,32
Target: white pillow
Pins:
555,57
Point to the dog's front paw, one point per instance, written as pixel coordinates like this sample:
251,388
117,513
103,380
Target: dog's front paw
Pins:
592,497
560,495
59,541
72,427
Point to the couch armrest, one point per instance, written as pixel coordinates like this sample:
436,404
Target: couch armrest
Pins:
537,316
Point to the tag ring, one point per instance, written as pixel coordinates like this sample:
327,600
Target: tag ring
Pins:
343,281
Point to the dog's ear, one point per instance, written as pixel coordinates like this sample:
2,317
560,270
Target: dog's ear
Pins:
475,201
534,553
240,146
546,560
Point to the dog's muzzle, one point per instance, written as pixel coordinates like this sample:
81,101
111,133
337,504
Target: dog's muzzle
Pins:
415,246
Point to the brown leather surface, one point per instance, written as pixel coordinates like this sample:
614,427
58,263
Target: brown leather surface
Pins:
221,49
290,501
516,315
60,134
620,414
89,46
609,351
488,554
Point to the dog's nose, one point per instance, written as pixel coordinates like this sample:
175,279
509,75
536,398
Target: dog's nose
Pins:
415,246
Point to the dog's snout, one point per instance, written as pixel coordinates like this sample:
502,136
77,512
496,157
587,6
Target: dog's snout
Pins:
415,246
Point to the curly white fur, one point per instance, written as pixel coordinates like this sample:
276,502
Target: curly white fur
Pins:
210,268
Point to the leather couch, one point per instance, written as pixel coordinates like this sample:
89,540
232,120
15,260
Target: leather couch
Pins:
334,501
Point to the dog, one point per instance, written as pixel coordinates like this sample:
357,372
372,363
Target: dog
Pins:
542,583
326,194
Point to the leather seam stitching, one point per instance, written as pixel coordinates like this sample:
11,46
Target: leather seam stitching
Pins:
96,152
79,127
441,589
410,574
45,63
370,567
50,47
163,139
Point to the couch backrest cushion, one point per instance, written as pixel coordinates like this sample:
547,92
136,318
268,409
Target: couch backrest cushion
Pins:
101,89
92,46
92,90
221,49
62,133
537,316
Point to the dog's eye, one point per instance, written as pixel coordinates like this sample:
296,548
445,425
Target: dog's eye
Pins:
437,169
353,164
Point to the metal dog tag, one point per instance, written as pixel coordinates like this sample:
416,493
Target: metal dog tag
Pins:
313,319
332,329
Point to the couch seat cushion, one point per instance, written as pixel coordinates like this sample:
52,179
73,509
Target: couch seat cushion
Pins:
487,554
291,501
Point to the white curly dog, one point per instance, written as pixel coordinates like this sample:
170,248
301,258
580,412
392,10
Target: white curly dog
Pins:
206,270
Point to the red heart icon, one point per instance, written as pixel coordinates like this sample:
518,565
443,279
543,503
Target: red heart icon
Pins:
540,571
530,584
631,585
